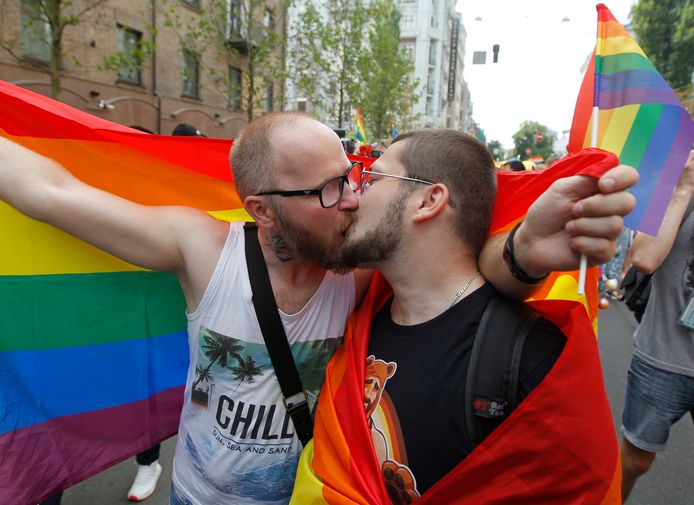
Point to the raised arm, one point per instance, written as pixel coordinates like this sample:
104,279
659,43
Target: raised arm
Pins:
160,238
648,252
576,215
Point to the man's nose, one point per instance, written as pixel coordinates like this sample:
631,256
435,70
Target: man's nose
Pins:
349,199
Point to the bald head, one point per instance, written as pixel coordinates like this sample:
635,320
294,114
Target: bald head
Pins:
271,142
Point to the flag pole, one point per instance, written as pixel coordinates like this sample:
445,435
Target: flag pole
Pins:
583,268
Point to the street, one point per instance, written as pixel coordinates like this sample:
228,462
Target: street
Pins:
670,482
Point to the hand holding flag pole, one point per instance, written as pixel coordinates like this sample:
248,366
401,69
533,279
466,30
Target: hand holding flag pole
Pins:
626,107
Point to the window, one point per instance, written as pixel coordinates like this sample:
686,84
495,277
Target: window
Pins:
407,22
269,91
193,3
407,51
301,104
129,47
235,88
191,73
432,52
36,32
269,20
234,18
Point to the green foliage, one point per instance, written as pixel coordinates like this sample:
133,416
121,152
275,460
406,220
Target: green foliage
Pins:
347,55
385,70
138,58
496,149
57,15
323,60
526,138
207,34
665,31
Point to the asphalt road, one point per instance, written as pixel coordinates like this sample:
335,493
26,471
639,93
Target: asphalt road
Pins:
671,479
670,482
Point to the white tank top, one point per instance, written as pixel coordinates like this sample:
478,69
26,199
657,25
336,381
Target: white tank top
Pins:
236,442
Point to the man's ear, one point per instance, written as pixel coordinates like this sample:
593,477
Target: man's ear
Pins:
432,203
260,211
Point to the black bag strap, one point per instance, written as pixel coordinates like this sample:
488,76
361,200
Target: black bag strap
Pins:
275,339
491,391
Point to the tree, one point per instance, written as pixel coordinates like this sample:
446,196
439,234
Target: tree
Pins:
44,23
323,60
496,149
225,32
664,31
536,137
385,71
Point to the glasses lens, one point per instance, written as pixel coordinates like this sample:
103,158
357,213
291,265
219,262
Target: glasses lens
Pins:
354,174
332,191
364,181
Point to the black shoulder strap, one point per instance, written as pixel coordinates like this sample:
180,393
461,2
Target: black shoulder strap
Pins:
492,378
275,339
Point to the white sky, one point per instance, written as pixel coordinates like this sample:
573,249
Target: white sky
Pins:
540,58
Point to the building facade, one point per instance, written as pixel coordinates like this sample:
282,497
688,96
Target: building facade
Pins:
432,32
146,63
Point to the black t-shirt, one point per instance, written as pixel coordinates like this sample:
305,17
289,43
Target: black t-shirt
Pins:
421,376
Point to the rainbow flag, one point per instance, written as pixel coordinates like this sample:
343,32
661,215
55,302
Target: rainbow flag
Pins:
361,133
558,447
626,107
93,351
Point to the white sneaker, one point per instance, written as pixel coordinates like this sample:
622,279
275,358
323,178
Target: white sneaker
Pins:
145,481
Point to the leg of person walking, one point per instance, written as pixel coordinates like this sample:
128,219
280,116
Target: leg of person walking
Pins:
148,472
635,462
655,400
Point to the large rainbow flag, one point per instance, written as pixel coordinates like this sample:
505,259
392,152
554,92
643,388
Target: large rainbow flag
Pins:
93,351
558,447
638,117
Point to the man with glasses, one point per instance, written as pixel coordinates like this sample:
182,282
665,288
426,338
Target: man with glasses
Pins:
424,216
236,442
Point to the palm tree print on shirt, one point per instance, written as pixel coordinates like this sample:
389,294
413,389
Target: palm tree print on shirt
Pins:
220,350
246,370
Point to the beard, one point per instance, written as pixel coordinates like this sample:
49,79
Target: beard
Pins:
377,244
307,244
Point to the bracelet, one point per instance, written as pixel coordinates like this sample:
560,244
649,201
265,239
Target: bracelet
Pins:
513,265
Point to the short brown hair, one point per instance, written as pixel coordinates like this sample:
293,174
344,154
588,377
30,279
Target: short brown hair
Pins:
464,165
253,156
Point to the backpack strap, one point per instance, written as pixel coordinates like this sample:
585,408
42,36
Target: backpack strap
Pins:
491,390
295,399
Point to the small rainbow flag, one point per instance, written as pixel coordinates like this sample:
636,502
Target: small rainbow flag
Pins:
361,133
626,107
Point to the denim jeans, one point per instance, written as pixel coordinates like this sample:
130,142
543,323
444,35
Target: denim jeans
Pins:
655,400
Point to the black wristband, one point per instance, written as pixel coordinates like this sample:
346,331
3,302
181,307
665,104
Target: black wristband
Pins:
513,265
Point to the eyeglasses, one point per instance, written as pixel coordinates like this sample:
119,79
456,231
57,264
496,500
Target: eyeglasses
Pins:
365,179
330,192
